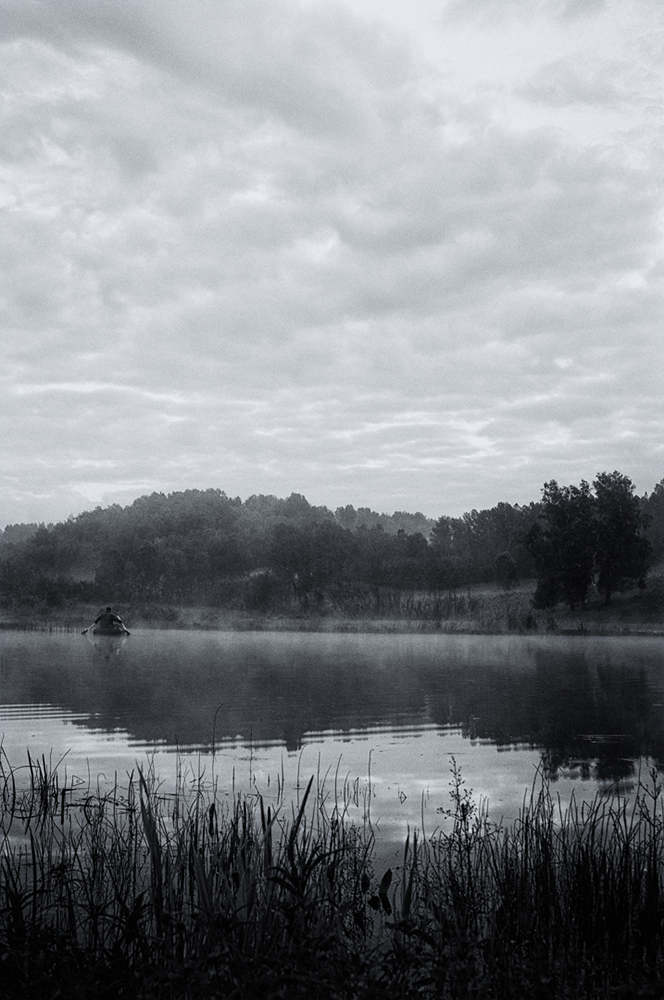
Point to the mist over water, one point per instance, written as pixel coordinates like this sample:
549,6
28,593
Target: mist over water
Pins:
376,718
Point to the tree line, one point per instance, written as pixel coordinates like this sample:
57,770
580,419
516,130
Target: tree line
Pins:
203,547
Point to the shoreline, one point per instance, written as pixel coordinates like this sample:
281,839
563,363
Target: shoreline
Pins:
479,610
329,625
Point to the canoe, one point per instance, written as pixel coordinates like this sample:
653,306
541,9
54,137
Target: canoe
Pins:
108,630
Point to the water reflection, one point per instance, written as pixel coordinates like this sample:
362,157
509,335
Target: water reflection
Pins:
586,712
106,646
592,706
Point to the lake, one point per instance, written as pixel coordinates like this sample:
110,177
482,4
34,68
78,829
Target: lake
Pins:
379,716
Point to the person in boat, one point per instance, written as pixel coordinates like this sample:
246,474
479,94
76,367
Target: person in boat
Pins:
108,619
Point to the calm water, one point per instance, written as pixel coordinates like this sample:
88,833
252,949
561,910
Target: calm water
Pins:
382,714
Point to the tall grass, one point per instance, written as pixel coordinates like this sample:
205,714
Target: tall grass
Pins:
138,893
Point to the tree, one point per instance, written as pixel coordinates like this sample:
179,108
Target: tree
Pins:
621,552
446,568
506,571
652,511
563,545
408,566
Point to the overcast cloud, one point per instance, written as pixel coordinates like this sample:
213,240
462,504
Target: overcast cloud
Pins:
396,253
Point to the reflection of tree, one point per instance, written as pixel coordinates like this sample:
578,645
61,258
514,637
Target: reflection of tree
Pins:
263,696
593,719
586,713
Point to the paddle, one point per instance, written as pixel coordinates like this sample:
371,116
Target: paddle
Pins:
85,630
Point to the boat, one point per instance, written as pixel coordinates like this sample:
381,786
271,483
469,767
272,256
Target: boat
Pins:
109,630
108,644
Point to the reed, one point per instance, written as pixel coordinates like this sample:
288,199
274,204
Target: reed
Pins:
136,892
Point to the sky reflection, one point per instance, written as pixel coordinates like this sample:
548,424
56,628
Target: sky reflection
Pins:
376,719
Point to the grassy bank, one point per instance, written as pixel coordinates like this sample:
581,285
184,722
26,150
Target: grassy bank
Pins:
145,895
480,609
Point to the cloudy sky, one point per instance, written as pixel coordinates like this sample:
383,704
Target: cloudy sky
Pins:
395,253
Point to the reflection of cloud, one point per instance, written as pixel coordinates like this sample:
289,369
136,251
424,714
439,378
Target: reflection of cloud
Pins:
243,250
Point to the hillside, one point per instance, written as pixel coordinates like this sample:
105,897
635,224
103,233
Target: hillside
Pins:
271,556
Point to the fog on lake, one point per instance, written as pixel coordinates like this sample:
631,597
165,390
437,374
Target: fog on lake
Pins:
381,715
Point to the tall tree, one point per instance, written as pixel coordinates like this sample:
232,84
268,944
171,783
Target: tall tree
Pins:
622,551
446,567
563,545
652,509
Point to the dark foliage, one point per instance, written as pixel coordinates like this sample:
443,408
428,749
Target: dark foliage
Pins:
260,554
652,511
140,895
271,554
583,537
621,550
563,545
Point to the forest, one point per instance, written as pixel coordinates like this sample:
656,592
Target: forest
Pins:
263,554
